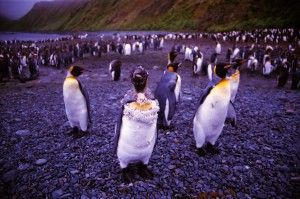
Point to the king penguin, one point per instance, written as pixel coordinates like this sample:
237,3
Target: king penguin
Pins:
115,69
167,93
136,128
212,109
77,102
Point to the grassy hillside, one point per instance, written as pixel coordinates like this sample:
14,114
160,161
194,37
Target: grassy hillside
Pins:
176,15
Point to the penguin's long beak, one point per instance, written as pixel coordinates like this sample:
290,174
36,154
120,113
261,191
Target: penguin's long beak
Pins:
85,70
228,66
244,60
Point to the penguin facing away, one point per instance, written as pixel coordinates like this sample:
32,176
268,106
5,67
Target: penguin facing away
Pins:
136,129
171,56
115,69
77,104
167,93
211,110
296,80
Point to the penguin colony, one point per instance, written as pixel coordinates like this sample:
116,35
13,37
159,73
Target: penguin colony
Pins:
141,113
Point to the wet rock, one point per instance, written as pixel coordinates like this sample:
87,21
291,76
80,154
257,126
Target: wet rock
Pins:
10,176
23,132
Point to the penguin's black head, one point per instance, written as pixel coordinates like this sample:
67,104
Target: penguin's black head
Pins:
221,69
173,67
77,70
236,63
139,78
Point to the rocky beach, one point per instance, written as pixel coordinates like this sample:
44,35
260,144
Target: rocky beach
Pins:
258,159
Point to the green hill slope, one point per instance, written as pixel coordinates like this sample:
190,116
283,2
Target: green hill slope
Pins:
175,15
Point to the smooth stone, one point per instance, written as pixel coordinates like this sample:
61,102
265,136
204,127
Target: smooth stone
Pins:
41,162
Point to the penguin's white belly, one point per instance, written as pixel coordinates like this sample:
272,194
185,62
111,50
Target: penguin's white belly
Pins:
218,49
234,85
234,81
209,72
199,64
127,49
178,88
167,108
76,108
268,68
234,88
210,117
137,140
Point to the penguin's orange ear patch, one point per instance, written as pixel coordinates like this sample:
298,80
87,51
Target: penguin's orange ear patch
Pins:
171,69
71,68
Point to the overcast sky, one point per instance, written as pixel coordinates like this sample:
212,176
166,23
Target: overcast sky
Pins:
15,9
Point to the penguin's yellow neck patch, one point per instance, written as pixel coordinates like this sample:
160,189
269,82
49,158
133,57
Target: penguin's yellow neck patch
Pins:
224,83
71,77
146,113
236,74
138,106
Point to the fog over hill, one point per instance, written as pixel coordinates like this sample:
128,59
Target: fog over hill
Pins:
175,15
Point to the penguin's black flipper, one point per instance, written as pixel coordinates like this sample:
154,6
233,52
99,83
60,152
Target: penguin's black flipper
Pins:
118,130
206,91
87,99
231,114
172,99
203,95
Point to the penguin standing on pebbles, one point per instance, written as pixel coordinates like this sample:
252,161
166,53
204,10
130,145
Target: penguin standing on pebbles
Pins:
77,102
167,93
211,110
136,130
115,69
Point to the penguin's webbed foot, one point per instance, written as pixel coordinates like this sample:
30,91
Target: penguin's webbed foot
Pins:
211,149
127,174
231,120
163,127
74,131
80,134
144,172
201,152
